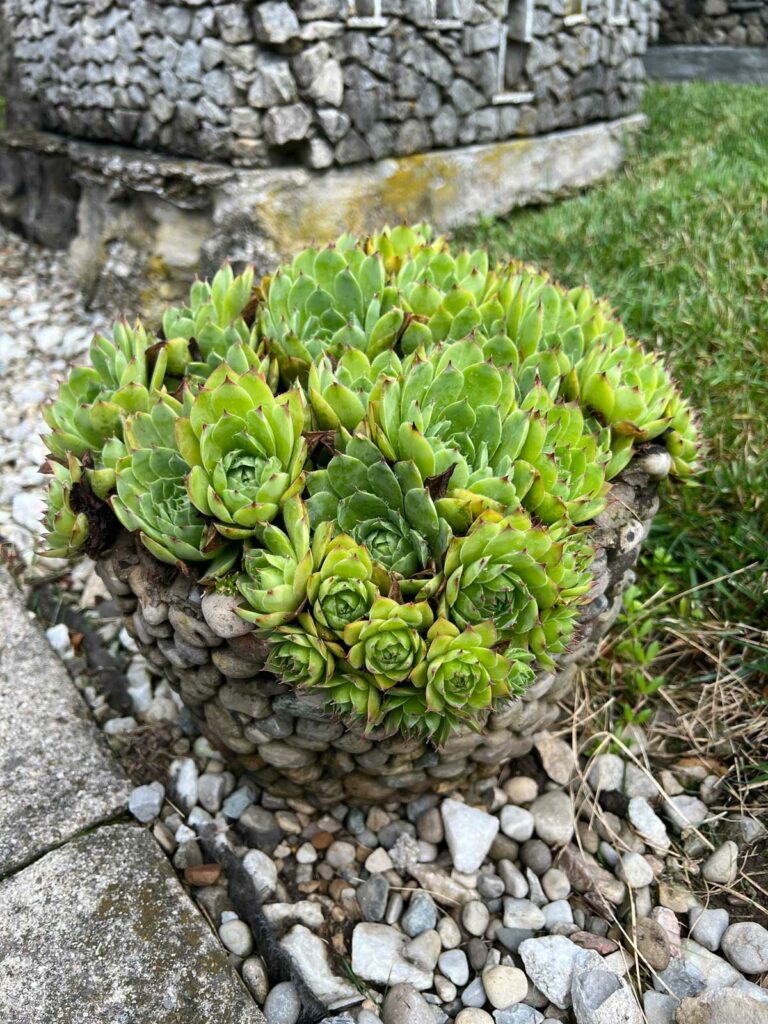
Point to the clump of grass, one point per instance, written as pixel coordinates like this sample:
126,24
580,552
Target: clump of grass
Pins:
679,242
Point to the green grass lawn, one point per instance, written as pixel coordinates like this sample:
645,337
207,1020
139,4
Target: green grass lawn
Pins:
679,243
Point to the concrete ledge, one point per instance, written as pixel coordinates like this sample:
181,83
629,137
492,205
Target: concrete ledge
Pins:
101,932
741,65
146,224
57,775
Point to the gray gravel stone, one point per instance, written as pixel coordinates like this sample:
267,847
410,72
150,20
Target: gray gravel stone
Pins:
549,963
421,915
373,896
522,914
708,926
145,802
404,1005
517,823
722,866
659,1008
746,946
123,929
553,818
600,997
283,1005
648,824
453,965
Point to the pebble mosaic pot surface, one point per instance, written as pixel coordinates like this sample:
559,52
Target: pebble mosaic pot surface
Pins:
292,745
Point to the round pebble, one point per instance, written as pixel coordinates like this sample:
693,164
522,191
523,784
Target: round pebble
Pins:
516,823
475,917
746,946
537,856
236,936
555,884
722,866
453,966
473,1015
635,870
504,986
340,854
521,790
283,1005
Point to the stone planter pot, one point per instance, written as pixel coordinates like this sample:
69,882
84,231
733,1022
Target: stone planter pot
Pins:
291,744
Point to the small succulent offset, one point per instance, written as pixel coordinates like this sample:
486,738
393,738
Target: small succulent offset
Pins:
389,450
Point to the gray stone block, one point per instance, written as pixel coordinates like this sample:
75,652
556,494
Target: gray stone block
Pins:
57,776
102,931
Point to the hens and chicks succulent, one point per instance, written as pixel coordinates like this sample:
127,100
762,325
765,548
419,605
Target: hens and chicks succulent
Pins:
388,450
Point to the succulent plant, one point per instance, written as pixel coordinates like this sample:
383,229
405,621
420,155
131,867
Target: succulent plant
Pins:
386,449
152,498
388,644
516,576
93,402
354,693
66,526
462,675
246,450
299,656
344,586
278,567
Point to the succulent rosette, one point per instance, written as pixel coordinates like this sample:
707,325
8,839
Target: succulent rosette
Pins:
152,498
345,585
278,567
299,656
246,450
391,451
389,643
462,674
384,507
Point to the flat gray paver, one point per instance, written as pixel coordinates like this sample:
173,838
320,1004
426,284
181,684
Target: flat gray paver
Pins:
101,931
57,775
742,65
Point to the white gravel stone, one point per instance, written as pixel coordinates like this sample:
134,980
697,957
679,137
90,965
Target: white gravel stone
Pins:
262,871
183,776
424,950
473,1015
58,638
449,933
522,914
236,936
145,802
283,1005
469,833
648,824
475,917
379,861
553,817
311,956
516,823
340,854
722,866
606,773
377,956
635,870
685,812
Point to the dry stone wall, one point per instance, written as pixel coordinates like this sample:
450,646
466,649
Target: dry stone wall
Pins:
320,82
714,22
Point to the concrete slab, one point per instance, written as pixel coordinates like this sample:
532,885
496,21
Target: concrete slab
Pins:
101,931
57,775
742,65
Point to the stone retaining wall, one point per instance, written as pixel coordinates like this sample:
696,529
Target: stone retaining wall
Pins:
320,82
714,22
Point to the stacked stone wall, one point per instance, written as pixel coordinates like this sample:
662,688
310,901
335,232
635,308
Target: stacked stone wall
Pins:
714,22
321,82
